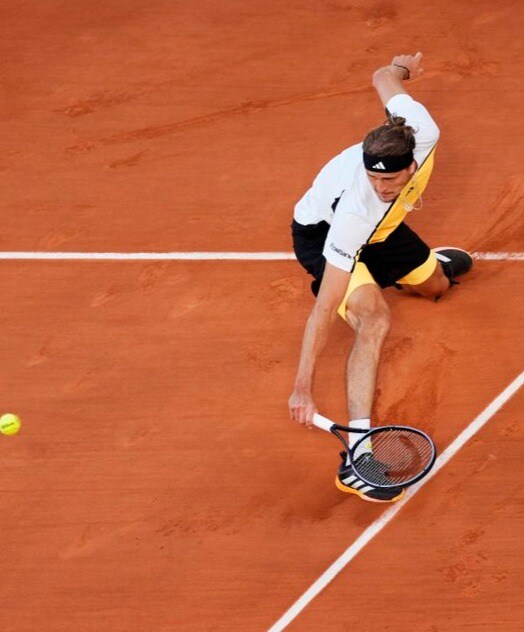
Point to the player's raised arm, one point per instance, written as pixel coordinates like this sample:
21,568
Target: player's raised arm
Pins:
388,81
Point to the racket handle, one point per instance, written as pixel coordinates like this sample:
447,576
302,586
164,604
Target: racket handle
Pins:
322,422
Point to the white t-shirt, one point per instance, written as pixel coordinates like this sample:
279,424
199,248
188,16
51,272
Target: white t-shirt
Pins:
359,209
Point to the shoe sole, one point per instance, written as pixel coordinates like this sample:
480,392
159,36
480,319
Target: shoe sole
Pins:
350,490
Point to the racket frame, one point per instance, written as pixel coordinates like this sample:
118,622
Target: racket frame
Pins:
336,429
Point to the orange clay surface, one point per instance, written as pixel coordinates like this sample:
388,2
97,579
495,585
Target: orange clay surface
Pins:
157,484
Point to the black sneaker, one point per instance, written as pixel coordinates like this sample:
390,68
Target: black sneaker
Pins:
454,261
347,481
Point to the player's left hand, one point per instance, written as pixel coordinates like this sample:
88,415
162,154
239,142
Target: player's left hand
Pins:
409,64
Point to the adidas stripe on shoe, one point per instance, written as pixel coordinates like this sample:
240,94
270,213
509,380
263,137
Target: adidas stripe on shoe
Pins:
348,481
454,261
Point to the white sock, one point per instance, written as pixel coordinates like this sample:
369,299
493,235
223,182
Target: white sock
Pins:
364,424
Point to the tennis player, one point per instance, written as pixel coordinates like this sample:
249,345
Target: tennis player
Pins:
349,234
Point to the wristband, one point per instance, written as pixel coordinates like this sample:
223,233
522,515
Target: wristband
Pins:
405,68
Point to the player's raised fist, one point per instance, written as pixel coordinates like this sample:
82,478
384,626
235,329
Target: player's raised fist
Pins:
410,64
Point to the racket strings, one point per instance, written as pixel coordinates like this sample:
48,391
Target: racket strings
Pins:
397,457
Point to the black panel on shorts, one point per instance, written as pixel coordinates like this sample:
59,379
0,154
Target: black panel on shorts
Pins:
390,260
308,244
387,261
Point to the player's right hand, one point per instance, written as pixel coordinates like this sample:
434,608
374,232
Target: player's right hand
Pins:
302,407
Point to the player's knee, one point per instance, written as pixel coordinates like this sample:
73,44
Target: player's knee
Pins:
370,319
436,289
437,285
376,324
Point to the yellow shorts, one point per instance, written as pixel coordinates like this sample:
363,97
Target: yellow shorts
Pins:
362,276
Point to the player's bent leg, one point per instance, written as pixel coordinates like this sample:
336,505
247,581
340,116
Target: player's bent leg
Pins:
437,274
433,287
426,280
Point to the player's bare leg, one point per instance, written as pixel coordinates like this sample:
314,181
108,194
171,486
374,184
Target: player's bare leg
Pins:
451,263
434,287
368,314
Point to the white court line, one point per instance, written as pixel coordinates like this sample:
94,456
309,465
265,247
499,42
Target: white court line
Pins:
498,256
149,256
198,256
388,515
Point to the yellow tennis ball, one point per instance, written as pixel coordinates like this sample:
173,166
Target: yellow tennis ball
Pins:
10,424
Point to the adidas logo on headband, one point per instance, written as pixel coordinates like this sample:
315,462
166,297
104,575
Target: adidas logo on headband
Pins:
387,164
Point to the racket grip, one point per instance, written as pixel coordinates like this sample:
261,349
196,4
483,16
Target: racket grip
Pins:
322,422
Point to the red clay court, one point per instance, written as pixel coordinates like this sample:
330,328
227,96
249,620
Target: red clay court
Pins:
157,484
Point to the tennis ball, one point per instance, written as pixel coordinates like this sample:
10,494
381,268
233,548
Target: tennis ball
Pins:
9,424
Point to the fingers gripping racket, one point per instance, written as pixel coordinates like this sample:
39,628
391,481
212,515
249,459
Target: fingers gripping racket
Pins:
386,456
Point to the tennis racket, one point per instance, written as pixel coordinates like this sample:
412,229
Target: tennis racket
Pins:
386,456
